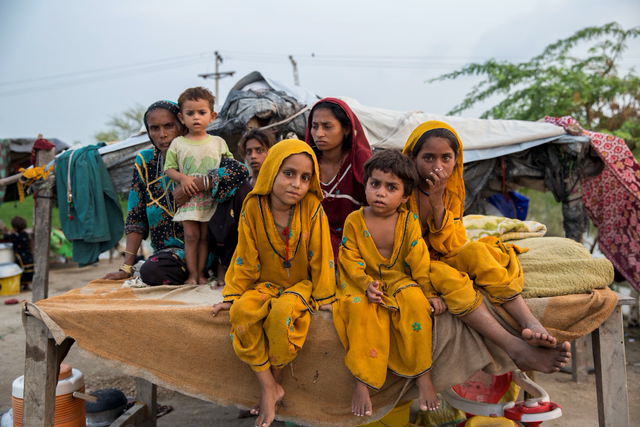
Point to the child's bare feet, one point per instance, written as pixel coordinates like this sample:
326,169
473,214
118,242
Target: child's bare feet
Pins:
541,359
427,397
269,399
277,376
202,280
360,402
537,336
222,271
255,411
191,280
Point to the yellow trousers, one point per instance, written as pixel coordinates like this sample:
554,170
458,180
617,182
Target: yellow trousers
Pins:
376,338
495,269
268,327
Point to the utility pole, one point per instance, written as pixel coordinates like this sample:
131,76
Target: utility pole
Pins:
296,78
217,75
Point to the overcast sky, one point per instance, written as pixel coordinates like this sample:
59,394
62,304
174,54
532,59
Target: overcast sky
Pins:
95,44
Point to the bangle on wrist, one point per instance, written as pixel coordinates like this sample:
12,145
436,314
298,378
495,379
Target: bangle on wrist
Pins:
127,269
130,253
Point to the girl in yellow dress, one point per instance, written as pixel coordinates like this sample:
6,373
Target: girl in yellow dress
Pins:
383,315
283,268
487,264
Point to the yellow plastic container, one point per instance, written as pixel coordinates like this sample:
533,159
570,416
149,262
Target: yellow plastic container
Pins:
397,417
10,285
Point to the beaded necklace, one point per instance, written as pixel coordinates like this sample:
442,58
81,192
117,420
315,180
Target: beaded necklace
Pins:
286,232
344,156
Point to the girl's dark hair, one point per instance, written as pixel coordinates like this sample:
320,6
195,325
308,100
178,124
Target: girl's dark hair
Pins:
263,137
341,116
394,162
437,133
19,223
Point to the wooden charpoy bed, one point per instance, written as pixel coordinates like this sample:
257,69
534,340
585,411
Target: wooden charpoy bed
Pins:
167,336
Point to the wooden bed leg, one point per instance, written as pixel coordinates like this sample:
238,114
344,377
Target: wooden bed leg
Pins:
146,392
41,369
580,360
610,367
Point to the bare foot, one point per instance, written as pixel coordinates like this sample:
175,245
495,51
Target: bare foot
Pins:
222,271
269,399
537,336
360,402
255,410
191,280
202,280
246,413
427,397
541,359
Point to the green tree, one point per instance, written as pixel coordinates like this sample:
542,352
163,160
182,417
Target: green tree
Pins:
123,125
557,83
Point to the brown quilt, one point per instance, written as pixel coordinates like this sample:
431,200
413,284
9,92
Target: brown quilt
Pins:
167,335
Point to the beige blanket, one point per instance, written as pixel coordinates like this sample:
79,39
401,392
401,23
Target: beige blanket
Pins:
505,229
168,336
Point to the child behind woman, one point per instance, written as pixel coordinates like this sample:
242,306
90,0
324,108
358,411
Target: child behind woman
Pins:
189,157
383,316
283,269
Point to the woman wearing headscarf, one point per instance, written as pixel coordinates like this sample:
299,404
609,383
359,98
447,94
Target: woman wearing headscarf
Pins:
151,205
339,142
458,266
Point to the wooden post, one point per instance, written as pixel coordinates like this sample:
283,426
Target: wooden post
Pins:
42,232
41,369
611,376
580,360
146,392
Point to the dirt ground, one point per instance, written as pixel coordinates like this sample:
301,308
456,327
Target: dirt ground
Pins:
577,400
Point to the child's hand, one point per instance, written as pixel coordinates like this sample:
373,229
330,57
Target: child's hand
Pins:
220,306
438,305
326,307
373,293
437,183
189,185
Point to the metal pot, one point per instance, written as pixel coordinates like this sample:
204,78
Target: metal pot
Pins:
6,253
110,405
9,269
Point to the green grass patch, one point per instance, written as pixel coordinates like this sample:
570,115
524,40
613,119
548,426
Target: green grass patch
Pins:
10,209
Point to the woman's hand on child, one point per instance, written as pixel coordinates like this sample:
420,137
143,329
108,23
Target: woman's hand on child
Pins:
373,293
189,185
220,306
180,196
438,305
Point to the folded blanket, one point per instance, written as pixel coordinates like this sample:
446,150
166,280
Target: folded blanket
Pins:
556,266
167,335
479,226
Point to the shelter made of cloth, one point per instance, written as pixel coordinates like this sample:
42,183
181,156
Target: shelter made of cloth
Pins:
90,212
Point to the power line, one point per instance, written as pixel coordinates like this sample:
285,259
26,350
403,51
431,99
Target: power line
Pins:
100,70
99,79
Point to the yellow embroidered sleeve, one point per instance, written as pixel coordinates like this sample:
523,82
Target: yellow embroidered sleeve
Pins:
452,234
244,267
323,274
351,265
